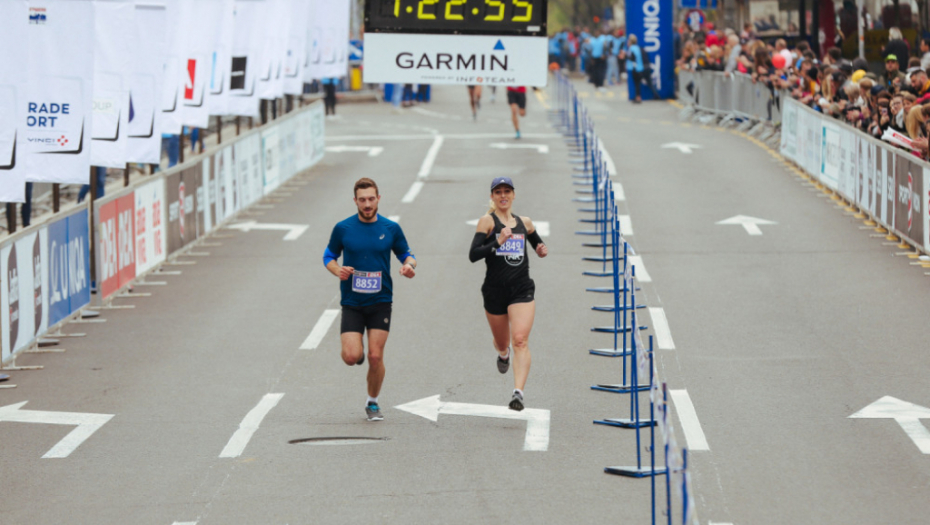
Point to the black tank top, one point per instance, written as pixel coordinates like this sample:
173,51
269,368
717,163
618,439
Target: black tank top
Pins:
508,269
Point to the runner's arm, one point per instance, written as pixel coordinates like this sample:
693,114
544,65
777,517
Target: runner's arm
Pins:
535,240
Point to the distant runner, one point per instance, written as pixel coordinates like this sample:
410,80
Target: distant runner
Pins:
509,293
516,97
474,98
366,241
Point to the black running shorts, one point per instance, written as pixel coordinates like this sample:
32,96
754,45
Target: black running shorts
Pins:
515,97
498,298
373,317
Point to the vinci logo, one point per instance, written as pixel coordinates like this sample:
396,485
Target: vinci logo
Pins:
37,15
189,84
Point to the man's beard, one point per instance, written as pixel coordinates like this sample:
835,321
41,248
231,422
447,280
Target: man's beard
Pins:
368,215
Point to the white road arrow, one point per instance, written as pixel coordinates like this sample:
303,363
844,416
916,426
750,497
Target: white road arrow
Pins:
908,415
680,146
750,224
87,424
294,231
373,151
537,420
542,148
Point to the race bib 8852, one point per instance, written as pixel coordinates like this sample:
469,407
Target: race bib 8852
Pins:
366,282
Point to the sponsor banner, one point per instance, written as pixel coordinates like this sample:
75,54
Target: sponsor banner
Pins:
69,266
181,198
225,183
220,65
106,257
789,130
274,43
249,170
908,191
884,189
14,20
175,11
248,31
455,59
866,168
146,82
295,54
114,51
925,199
652,23
23,290
329,39
200,28
149,225
206,196
830,155
849,170
55,118
271,152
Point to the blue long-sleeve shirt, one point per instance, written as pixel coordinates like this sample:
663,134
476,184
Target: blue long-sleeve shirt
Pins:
634,60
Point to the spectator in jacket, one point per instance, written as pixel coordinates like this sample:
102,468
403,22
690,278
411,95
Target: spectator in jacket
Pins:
897,46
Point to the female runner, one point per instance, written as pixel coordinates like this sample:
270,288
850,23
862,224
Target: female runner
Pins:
509,293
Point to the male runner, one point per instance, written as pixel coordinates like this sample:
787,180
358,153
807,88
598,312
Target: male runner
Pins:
366,241
516,97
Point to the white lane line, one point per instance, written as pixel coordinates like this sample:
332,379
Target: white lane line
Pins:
619,196
718,523
626,225
395,218
319,330
660,326
611,167
427,165
641,274
694,435
425,136
412,192
184,523
249,425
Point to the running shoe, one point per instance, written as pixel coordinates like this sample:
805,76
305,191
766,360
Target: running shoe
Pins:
374,411
516,403
518,134
503,365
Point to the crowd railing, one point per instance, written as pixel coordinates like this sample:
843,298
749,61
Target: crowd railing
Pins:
50,268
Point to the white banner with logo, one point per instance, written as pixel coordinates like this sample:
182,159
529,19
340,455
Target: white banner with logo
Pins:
200,28
455,59
329,34
56,118
220,67
114,51
170,98
295,55
270,83
14,20
248,30
149,225
146,82
23,293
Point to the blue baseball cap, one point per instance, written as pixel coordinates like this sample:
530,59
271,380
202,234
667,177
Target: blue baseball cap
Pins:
498,181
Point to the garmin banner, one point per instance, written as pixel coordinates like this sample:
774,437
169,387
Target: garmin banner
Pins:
145,83
14,19
55,117
651,22
114,45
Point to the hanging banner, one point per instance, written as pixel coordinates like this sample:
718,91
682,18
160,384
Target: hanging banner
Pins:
651,22
295,56
200,29
220,66
274,43
248,30
14,19
175,12
114,51
145,83
56,119
330,39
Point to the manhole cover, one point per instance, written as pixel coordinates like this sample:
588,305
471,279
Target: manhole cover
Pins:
338,441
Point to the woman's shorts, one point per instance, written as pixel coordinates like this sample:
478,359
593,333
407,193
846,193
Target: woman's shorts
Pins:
498,298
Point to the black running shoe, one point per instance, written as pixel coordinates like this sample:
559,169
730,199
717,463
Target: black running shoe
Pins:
374,412
516,403
503,365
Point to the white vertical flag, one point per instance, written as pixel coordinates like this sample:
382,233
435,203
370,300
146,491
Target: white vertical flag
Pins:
273,49
200,27
56,116
145,81
248,30
114,45
14,19
175,11
295,56
330,32
220,65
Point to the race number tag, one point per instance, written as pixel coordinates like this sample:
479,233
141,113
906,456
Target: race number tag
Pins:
513,247
366,282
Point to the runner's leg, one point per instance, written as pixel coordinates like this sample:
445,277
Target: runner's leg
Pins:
376,341
521,323
514,111
500,330
352,348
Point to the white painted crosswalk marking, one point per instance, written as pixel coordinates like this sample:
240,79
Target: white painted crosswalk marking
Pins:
660,325
690,425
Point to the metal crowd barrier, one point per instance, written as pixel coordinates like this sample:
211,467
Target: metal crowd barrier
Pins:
735,95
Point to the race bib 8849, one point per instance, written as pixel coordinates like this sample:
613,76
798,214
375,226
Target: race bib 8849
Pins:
513,247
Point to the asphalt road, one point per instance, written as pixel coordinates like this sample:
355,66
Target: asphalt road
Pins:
778,338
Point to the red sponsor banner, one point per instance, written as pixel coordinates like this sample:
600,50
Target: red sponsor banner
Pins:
107,258
125,245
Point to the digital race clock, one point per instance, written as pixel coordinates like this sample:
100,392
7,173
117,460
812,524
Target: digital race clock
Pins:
466,17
